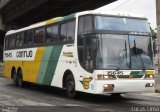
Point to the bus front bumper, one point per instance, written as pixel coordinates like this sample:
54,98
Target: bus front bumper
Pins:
124,86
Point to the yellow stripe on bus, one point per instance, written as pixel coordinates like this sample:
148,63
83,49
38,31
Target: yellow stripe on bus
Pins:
35,65
50,21
149,72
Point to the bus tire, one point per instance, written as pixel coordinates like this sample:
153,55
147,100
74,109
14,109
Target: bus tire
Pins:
14,78
70,86
20,78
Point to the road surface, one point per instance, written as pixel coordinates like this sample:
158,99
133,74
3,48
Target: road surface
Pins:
35,98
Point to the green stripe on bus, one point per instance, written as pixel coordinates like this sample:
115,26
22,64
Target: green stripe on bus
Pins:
69,17
137,72
44,63
52,64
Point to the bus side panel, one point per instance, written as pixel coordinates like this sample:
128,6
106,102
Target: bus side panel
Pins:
43,65
29,67
7,69
8,65
49,64
65,62
33,67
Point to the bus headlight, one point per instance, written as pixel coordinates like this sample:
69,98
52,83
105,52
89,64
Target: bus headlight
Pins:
106,77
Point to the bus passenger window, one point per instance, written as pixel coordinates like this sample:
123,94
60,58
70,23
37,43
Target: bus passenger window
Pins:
67,31
70,30
19,40
39,36
6,43
28,38
63,36
52,34
11,42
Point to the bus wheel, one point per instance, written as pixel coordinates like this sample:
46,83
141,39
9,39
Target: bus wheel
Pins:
70,86
14,78
20,78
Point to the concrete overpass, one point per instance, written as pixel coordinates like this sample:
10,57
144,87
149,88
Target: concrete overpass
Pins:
19,13
15,14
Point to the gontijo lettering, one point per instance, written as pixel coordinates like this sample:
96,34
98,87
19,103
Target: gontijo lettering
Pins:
24,54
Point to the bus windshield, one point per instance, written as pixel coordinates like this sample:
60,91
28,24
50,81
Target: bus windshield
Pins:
123,52
115,49
121,24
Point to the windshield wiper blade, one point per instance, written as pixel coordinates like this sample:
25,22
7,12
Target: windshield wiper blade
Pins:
121,58
138,52
142,62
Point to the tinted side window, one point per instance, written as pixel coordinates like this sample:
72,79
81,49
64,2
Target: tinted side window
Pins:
19,40
52,34
70,30
85,24
11,42
6,42
86,51
28,38
63,36
39,36
67,31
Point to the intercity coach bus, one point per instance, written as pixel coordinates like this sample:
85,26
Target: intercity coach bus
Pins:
92,52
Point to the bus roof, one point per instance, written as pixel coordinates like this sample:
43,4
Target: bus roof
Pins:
59,19
43,23
111,13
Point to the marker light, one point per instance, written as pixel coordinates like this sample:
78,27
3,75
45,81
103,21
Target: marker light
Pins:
149,76
106,77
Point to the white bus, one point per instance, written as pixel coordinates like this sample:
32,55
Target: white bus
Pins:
90,51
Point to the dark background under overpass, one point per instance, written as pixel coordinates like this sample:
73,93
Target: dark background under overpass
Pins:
20,13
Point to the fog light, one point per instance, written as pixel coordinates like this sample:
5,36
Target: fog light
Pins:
149,85
108,87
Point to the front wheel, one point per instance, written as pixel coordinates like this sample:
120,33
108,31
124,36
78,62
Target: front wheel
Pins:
70,87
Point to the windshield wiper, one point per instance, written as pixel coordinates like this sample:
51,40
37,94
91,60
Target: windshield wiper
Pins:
138,52
141,59
121,58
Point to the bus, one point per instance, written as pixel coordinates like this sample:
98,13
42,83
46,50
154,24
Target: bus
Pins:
90,51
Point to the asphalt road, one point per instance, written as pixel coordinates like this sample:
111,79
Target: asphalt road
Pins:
35,98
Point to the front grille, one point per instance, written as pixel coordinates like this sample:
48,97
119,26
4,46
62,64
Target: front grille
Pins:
129,76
